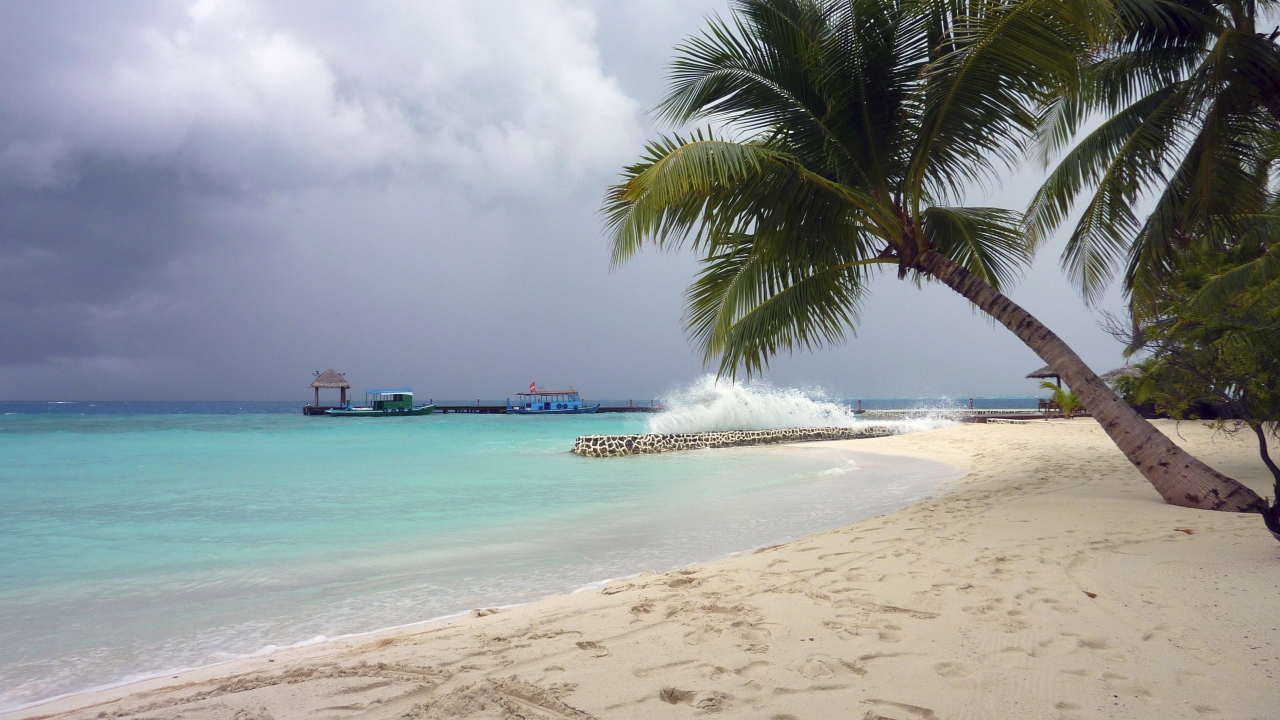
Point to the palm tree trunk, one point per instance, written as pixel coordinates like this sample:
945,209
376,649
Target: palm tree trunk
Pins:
1179,477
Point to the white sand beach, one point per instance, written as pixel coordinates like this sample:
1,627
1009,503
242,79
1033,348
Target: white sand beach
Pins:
1050,581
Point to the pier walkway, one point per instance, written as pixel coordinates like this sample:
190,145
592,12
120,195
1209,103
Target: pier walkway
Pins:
493,409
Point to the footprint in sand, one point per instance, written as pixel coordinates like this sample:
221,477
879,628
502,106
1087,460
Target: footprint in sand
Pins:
643,608
675,696
887,710
752,633
813,669
702,635
855,668
713,702
957,675
1124,685
595,648
891,633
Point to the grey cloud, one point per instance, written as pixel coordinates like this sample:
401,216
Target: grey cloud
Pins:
256,188
126,129
75,253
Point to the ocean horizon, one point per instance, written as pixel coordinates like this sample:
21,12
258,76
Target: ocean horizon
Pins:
137,538
931,402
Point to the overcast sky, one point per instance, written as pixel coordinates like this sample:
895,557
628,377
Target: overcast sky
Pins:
212,199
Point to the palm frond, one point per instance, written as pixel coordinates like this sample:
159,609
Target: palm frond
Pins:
1261,275
979,102
747,307
988,242
1117,160
706,188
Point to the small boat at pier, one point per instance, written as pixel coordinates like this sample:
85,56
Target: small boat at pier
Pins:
391,402
549,402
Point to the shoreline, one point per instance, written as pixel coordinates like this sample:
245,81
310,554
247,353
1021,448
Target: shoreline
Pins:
230,662
735,632
268,651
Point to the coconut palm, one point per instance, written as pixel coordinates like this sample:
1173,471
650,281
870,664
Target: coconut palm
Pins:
1257,241
843,135
1189,91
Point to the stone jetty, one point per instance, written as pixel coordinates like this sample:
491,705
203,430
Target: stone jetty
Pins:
618,445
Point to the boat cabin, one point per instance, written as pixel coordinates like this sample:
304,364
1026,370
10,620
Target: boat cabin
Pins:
392,399
549,400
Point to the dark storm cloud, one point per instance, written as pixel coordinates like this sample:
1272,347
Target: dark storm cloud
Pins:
70,250
122,124
98,236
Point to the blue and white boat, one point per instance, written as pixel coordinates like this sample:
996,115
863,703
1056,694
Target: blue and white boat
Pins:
549,402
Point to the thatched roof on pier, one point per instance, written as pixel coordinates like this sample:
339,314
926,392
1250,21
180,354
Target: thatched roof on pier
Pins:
1126,371
1043,373
330,379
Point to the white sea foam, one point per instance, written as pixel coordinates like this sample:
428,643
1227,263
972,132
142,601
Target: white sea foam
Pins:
709,405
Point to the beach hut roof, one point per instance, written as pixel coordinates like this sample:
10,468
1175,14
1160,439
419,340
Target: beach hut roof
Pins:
1126,371
330,379
1043,373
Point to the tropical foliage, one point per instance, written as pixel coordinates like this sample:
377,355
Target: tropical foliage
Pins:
1211,318
841,138
1217,357
1188,92
1066,400
847,132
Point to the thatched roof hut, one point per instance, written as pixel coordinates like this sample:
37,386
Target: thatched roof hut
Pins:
1045,373
1126,371
330,379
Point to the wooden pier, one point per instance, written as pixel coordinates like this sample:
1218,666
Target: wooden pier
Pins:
482,409
476,409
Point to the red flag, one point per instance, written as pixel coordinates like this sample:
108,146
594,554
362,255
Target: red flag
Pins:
533,387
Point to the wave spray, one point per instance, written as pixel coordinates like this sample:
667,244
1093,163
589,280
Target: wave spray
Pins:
707,405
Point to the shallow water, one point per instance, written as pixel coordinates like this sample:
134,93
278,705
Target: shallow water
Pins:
135,541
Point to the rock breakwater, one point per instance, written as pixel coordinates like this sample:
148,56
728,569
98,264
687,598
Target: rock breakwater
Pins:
618,445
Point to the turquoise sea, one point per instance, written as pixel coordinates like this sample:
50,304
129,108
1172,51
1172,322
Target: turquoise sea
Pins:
137,538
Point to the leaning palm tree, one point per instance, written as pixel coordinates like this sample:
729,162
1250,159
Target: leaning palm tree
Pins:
843,133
